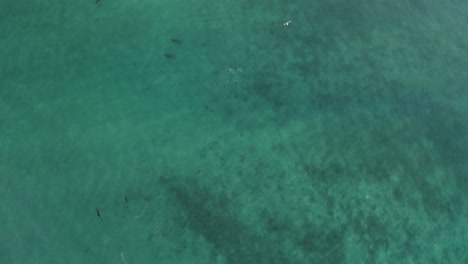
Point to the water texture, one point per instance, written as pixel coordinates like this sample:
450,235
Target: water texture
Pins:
210,132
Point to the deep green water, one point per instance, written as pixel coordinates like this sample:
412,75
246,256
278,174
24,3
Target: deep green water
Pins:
341,138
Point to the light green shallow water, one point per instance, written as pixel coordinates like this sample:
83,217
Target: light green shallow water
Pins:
340,138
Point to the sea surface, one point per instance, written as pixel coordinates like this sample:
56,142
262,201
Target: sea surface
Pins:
233,131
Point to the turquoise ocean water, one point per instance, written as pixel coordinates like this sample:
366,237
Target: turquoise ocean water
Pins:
208,131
